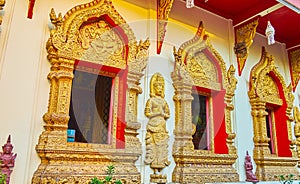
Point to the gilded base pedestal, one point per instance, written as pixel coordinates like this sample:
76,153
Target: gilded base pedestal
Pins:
158,178
62,166
199,168
269,169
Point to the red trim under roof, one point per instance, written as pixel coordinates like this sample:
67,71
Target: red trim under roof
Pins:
236,10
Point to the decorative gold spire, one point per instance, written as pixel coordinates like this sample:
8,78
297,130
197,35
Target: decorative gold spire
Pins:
57,21
244,35
163,10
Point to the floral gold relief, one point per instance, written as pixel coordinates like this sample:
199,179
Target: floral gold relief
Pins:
102,45
196,63
95,33
268,89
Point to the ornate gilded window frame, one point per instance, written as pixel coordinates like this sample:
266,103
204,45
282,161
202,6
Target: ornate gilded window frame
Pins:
200,166
261,94
62,161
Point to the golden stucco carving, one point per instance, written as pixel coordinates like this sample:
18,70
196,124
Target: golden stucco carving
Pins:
2,4
72,41
193,67
268,165
294,58
135,72
244,38
297,130
102,45
268,90
68,43
163,11
157,110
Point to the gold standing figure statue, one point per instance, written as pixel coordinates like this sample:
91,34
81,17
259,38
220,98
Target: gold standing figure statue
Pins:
157,110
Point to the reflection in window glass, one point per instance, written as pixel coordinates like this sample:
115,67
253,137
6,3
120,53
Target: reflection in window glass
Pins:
199,119
90,107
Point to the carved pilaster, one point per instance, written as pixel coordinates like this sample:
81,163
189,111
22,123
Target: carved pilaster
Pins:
261,146
183,123
244,35
135,73
230,89
288,94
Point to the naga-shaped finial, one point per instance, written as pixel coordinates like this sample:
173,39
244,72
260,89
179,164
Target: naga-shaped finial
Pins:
143,45
57,21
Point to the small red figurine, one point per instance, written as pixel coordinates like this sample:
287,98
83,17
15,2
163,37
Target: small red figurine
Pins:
7,159
248,167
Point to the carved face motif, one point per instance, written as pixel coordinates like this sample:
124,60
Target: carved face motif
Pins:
248,158
157,85
158,89
7,149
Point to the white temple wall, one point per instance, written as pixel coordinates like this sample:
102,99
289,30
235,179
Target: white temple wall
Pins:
24,88
21,61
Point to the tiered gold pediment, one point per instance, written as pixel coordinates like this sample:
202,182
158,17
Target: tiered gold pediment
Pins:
268,90
200,59
263,84
102,44
91,28
203,72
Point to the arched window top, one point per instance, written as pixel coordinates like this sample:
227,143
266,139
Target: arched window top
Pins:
202,62
268,84
89,27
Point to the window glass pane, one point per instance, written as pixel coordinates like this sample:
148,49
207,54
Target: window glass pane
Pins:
199,109
270,130
90,107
